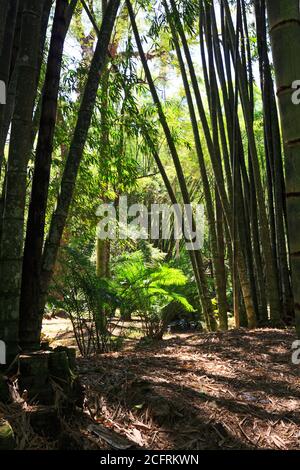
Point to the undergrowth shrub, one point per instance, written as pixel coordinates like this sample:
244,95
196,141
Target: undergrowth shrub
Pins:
89,301
147,286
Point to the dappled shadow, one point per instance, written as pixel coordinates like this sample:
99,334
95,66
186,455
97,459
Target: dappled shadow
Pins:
203,391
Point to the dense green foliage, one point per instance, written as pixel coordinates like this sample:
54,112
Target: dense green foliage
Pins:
163,102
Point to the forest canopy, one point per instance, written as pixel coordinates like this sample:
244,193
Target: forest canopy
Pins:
184,111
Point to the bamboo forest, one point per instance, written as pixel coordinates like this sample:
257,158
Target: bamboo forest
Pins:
149,227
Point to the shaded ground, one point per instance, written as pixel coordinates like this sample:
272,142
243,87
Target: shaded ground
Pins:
234,390
205,391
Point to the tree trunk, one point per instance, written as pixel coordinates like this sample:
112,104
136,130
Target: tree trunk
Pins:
11,91
273,139
60,214
15,194
271,271
219,281
284,20
41,177
215,154
222,299
195,255
218,172
3,12
5,57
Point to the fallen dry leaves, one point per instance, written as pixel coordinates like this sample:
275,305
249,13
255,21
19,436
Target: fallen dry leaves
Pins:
234,390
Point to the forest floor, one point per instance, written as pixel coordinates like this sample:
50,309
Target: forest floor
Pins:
233,390
192,391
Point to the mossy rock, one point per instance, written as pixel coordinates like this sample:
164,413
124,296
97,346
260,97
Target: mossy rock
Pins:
7,438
